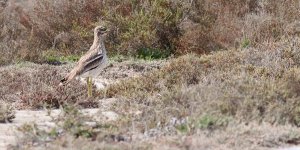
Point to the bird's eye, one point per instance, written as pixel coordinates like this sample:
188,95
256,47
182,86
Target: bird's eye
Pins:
102,29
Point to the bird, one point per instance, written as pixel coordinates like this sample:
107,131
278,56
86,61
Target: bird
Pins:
92,62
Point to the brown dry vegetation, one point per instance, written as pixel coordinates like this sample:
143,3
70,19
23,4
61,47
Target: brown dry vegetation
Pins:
142,27
241,92
27,85
241,98
259,84
31,86
237,136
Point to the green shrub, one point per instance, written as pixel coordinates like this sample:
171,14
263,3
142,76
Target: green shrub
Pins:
211,122
143,25
148,53
245,43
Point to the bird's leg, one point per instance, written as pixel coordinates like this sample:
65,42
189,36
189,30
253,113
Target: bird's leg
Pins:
89,84
91,87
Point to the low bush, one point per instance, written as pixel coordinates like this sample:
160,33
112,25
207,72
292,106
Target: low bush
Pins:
36,86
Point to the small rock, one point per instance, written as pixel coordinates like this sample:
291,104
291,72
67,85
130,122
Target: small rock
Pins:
110,115
107,104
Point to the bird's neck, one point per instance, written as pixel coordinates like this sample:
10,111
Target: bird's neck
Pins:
97,41
99,44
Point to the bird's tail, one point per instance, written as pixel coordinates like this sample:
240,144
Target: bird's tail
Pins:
63,82
69,77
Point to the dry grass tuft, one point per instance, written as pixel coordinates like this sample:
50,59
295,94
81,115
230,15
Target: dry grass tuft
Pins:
28,85
6,113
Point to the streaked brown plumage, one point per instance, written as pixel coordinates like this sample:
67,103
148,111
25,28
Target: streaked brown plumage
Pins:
93,61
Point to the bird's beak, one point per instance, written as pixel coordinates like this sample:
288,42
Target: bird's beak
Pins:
105,31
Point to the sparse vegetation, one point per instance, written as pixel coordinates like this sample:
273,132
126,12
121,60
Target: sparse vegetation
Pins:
215,74
248,84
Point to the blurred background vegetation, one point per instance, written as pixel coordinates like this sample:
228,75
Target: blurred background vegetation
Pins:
43,30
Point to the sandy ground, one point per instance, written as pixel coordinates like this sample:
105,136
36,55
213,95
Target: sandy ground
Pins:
9,133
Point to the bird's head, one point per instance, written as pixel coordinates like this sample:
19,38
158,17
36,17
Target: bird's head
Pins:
100,31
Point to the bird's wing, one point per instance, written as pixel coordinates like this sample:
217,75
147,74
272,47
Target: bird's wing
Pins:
92,62
86,63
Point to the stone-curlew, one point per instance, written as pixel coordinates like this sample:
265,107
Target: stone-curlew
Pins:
92,63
